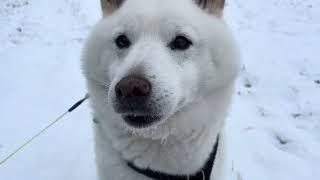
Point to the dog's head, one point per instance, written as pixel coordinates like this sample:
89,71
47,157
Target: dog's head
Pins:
146,60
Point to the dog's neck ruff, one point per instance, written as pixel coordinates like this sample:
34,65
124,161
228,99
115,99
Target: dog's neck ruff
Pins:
203,174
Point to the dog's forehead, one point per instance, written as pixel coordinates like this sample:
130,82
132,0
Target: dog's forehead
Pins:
164,16
155,9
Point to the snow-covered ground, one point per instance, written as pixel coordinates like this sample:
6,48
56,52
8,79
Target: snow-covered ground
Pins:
274,126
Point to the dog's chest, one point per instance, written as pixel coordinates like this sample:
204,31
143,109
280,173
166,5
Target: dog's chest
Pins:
203,174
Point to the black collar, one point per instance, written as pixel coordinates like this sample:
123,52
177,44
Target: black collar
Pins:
203,174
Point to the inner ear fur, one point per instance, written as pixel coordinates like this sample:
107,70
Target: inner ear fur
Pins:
109,6
214,7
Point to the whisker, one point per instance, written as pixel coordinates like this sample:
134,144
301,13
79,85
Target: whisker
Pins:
102,83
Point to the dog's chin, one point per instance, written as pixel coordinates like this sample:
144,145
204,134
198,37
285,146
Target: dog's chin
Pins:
142,121
154,127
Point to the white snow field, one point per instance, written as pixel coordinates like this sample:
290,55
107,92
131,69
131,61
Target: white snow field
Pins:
273,128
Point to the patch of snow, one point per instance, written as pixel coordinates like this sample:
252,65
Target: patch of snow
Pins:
274,126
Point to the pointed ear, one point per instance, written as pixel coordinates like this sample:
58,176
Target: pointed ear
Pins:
214,7
108,6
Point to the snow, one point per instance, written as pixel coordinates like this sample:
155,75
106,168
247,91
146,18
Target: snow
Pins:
274,125
275,122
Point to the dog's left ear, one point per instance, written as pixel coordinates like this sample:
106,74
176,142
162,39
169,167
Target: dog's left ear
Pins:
109,6
214,7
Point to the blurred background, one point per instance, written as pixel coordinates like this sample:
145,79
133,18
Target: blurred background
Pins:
274,124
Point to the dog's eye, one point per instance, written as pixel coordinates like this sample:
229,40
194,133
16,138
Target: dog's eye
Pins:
180,43
122,42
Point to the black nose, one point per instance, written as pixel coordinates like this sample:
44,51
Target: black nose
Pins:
132,86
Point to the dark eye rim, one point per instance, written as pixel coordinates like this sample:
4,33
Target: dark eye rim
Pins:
126,43
188,44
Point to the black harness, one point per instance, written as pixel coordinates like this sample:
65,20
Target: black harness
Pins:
203,174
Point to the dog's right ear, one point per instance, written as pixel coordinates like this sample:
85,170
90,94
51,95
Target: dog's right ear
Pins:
214,7
109,6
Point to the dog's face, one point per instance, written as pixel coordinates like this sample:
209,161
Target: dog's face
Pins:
148,59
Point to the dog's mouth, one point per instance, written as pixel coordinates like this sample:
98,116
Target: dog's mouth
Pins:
141,121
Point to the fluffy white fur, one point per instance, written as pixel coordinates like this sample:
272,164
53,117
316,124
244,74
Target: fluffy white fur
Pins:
193,88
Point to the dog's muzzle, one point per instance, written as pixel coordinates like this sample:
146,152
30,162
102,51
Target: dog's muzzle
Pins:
133,101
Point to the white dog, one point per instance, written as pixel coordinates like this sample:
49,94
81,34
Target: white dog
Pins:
161,75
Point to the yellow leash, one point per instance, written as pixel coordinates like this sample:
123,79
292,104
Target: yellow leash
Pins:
77,104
